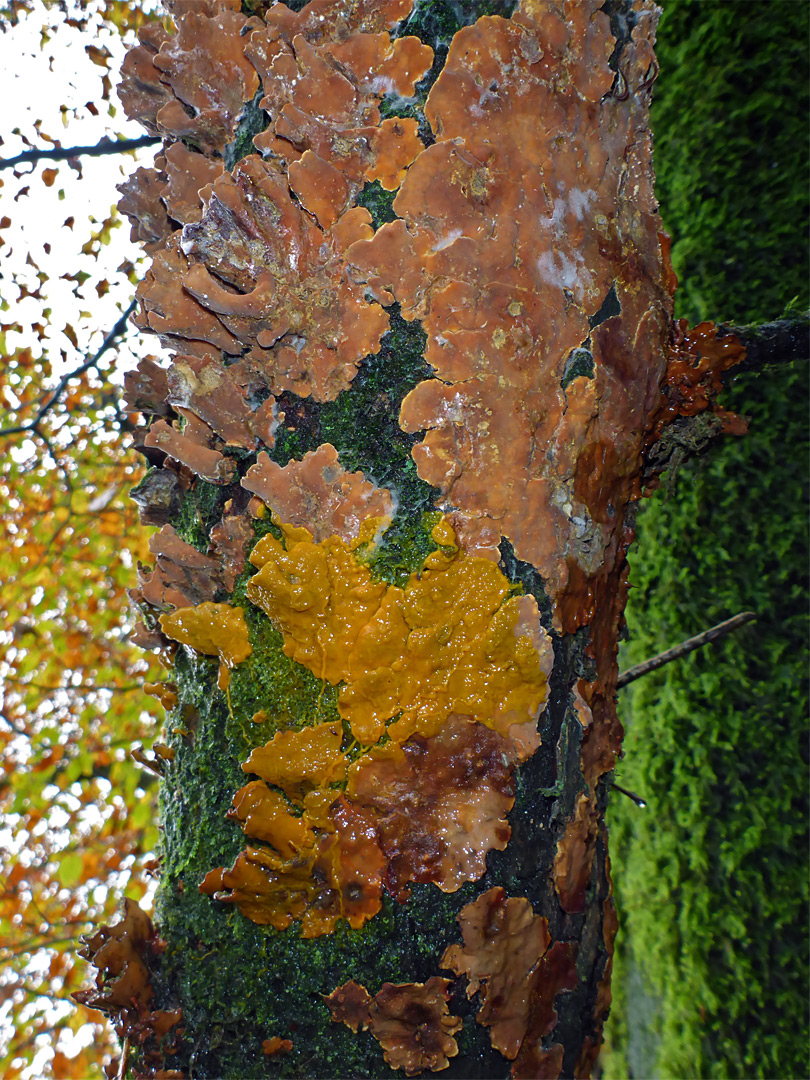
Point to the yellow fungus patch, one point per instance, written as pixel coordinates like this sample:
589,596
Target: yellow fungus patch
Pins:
293,759
264,814
214,629
454,662
445,643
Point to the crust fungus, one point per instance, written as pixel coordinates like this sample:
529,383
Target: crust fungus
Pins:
410,1021
257,273
182,576
334,873
443,644
319,494
141,92
698,359
507,955
463,692
187,174
214,629
438,804
322,98
140,201
125,955
210,78
220,397
276,1045
574,857
189,446
509,242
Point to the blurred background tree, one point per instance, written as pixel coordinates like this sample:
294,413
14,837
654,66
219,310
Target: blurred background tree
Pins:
711,878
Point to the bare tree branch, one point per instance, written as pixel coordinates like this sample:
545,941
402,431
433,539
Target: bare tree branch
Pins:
65,153
772,344
32,426
637,799
685,647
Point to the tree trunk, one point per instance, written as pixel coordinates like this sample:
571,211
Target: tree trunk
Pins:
395,459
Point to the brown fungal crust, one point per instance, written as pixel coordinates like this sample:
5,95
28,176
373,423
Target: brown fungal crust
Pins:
142,93
319,494
210,77
322,98
514,229
438,804
256,272
574,857
146,387
507,955
125,955
189,447
698,359
187,174
142,205
410,1021
182,576
219,396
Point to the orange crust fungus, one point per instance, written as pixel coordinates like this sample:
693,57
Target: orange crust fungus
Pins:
410,1021
257,273
213,629
276,1045
508,956
463,687
317,878
443,644
514,230
318,493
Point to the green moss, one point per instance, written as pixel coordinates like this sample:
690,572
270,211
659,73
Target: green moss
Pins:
252,121
378,202
711,966
199,511
729,119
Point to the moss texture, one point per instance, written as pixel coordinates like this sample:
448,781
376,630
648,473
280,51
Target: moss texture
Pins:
711,970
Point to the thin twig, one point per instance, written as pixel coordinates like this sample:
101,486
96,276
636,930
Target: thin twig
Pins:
122,1065
33,424
65,153
637,799
685,647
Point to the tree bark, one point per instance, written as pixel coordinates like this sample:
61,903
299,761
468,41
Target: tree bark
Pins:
453,392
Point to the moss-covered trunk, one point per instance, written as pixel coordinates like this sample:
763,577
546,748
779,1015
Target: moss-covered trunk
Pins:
396,456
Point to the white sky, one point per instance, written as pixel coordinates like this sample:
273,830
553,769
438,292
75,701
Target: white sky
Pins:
34,83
